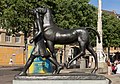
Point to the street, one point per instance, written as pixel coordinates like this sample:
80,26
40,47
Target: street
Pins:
7,75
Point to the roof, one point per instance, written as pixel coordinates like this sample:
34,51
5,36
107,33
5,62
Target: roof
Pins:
112,13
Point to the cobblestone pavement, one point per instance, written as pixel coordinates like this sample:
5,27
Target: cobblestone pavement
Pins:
7,75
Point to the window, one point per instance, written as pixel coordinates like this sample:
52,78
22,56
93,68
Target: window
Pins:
17,39
8,38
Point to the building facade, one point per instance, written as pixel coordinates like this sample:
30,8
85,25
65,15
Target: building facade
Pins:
11,49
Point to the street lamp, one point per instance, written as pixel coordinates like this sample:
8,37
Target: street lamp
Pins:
99,50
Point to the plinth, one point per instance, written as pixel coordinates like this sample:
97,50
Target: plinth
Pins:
65,78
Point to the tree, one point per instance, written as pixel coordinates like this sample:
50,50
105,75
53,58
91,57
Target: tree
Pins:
111,25
111,29
74,13
14,16
67,13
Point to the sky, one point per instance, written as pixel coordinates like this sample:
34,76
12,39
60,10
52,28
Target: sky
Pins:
109,5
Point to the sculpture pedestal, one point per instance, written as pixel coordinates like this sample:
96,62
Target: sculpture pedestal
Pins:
68,78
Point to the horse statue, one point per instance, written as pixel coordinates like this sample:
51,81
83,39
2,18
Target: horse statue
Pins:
55,35
39,47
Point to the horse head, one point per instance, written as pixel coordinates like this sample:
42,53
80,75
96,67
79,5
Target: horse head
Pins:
47,18
40,10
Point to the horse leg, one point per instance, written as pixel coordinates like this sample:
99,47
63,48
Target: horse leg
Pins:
82,46
57,65
50,46
53,59
90,49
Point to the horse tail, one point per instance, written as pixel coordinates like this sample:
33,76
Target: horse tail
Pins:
96,32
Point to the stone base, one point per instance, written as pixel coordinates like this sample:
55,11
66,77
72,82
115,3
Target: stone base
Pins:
70,78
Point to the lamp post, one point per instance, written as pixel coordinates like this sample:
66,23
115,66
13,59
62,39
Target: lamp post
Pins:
99,50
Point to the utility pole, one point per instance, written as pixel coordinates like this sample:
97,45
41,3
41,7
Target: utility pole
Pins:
99,50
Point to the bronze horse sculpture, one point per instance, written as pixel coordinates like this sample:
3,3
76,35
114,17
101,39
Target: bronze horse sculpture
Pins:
39,44
55,35
52,34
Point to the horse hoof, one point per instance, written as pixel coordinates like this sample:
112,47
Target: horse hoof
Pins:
22,74
54,72
59,69
65,65
68,66
94,71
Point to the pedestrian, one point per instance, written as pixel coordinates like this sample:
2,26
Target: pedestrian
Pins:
118,68
11,61
109,67
114,69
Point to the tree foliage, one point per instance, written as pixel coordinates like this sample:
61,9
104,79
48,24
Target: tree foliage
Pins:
67,13
111,29
74,13
14,17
